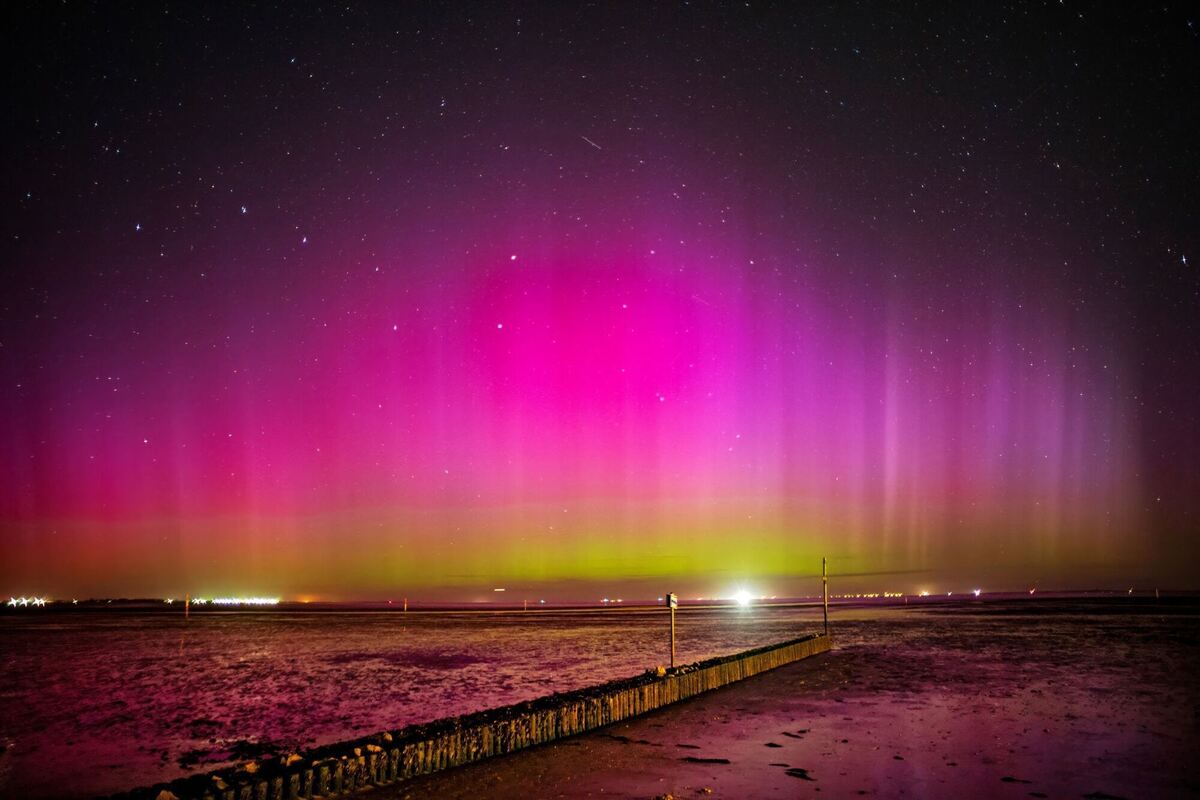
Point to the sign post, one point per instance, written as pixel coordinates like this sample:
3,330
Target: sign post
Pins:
672,603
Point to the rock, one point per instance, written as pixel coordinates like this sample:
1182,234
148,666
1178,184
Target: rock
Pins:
165,795
292,758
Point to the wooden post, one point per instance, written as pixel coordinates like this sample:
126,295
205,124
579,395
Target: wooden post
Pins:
672,601
187,605
825,594
672,637
406,605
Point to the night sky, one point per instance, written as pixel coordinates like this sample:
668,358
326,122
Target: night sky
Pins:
363,302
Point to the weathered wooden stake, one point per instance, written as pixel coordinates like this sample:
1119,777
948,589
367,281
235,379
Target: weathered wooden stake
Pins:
672,637
672,601
825,593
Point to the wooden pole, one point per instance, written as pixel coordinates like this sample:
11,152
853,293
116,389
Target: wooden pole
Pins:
672,601
825,593
672,637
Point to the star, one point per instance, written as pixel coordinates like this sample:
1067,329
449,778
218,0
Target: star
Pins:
137,226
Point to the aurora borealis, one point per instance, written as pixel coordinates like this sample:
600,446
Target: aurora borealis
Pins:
370,302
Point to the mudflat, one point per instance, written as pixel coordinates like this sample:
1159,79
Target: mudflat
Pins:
1065,699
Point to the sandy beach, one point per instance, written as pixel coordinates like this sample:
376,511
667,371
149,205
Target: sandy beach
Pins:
1009,703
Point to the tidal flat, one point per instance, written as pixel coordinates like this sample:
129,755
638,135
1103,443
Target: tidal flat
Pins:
1088,695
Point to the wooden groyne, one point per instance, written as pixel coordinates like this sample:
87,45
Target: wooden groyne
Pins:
386,758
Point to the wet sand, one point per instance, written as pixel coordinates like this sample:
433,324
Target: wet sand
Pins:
97,703
1082,702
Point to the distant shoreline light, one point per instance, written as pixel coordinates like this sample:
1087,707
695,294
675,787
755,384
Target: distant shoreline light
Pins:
238,601
23,602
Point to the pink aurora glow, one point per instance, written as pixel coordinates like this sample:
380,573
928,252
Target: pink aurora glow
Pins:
666,393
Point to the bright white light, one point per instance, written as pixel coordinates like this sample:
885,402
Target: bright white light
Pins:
977,591
742,597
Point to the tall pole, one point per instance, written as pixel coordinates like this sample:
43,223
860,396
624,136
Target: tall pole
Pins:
672,637
825,593
672,601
